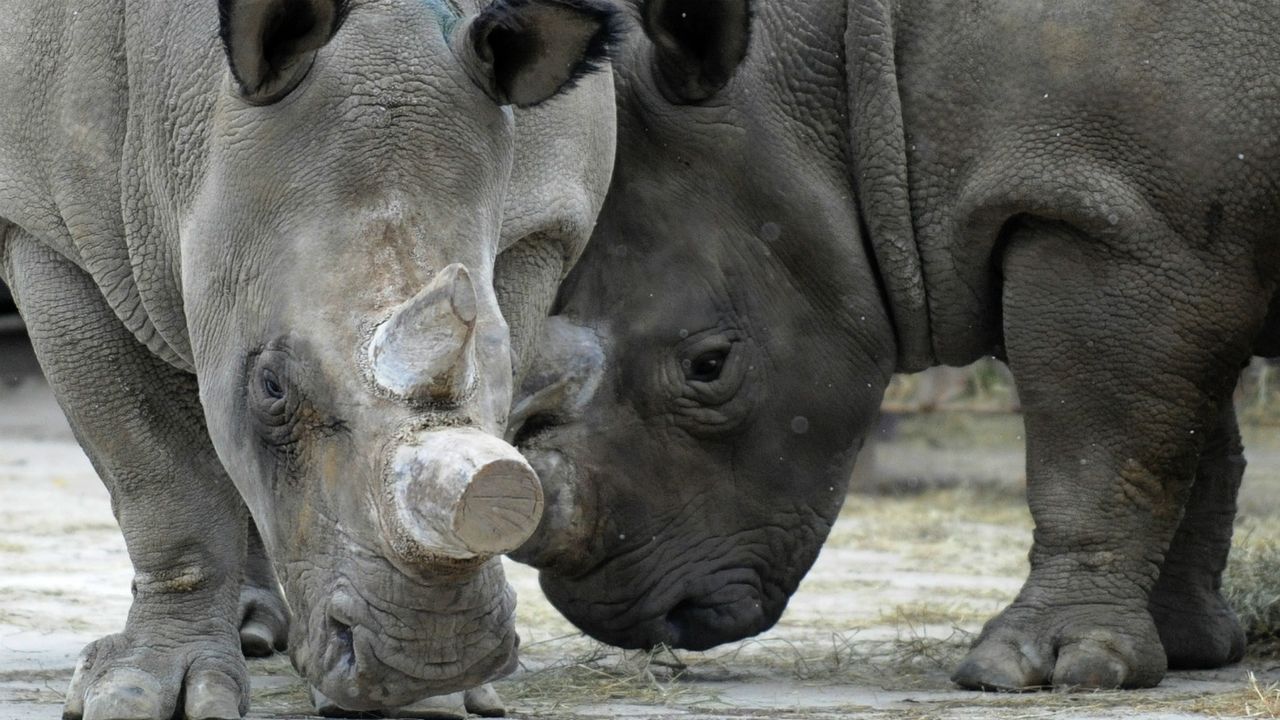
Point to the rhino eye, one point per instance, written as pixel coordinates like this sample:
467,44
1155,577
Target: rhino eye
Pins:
273,404
707,366
271,386
269,392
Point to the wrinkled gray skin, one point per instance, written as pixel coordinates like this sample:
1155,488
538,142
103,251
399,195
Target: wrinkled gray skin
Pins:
260,276
1089,190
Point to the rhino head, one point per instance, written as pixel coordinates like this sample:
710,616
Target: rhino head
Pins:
698,400
354,366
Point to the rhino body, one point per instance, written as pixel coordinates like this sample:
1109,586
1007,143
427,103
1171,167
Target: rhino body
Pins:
256,245
812,195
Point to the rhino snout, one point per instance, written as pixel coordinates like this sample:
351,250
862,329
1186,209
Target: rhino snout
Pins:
367,651
562,539
458,494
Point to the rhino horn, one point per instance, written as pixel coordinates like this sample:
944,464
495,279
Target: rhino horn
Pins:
426,350
566,370
459,494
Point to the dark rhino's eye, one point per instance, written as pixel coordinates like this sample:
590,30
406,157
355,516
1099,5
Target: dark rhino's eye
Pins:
707,366
271,386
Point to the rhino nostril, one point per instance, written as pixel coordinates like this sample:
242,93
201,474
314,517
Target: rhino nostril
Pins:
681,611
342,640
680,621
702,623
534,426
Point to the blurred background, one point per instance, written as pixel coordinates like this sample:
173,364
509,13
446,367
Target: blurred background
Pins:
16,359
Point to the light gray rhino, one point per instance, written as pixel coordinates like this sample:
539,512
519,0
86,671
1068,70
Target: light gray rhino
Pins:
810,195
254,242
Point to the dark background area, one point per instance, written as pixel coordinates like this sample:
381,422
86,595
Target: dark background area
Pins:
16,359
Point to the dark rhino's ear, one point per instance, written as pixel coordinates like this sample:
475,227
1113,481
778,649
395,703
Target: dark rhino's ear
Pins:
271,44
698,44
521,52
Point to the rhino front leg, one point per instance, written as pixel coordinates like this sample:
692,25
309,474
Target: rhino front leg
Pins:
1197,628
140,422
1122,354
264,616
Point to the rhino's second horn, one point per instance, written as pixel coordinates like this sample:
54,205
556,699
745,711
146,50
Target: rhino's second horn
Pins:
426,350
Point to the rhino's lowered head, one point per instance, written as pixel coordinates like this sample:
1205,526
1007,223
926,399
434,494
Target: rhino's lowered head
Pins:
717,353
337,275
691,452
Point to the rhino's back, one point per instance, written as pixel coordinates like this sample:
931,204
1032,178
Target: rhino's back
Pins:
1106,115
1176,85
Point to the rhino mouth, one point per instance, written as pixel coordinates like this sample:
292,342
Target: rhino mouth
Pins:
721,607
356,678
367,653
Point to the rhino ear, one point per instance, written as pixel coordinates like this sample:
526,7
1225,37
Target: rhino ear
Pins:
697,44
270,44
522,52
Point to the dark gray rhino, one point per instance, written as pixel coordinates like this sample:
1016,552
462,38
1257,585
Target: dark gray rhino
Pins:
255,243
810,195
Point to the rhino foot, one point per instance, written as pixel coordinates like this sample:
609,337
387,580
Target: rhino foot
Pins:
143,677
485,702
264,616
1088,647
482,701
264,621
1197,629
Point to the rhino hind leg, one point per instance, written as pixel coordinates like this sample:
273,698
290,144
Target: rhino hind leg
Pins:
264,615
1197,628
139,419
1123,355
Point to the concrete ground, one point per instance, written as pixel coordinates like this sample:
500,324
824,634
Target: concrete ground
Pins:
889,608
